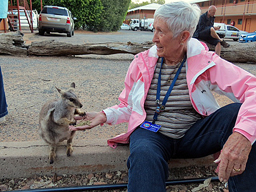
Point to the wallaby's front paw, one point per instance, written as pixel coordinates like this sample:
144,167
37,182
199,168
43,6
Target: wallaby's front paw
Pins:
82,114
72,123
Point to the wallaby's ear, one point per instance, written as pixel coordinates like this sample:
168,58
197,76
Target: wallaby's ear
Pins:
59,90
73,85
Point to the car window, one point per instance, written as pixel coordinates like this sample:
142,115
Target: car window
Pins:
55,11
232,28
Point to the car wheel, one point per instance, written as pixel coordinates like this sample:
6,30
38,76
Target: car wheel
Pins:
73,32
136,29
235,39
69,34
41,32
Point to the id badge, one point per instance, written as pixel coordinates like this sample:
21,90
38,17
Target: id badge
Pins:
149,126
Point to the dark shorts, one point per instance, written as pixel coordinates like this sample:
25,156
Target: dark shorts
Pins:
205,35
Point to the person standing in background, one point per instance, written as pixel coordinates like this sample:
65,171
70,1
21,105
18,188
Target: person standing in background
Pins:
4,9
3,103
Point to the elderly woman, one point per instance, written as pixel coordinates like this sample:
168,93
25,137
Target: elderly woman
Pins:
171,112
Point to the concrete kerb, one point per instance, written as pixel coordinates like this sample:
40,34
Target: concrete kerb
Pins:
27,159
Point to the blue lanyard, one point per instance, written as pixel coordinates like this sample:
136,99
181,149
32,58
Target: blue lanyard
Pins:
161,107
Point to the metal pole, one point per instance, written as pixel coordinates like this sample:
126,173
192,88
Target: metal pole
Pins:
113,186
31,17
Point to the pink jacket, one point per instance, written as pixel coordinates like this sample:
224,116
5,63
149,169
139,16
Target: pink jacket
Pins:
205,71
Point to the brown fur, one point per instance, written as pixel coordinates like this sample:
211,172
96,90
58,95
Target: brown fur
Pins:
55,118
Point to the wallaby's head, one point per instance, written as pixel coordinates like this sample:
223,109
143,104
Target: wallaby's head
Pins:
69,97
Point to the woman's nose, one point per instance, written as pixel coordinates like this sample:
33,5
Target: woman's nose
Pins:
155,37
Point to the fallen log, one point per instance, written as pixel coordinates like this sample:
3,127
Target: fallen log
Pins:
55,48
238,53
13,44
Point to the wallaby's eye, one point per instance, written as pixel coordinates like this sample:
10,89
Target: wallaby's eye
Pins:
72,100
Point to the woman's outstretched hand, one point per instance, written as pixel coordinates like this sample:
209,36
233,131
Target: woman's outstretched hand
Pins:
92,119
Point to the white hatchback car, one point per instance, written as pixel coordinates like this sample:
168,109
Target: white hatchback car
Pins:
125,26
228,31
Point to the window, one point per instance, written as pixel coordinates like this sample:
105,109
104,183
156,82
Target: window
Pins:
231,28
231,1
242,0
202,4
240,21
229,21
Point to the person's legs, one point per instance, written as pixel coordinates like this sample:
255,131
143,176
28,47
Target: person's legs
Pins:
3,104
210,36
214,34
208,136
147,163
245,181
218,49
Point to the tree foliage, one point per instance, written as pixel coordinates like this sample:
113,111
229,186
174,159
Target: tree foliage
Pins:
114,13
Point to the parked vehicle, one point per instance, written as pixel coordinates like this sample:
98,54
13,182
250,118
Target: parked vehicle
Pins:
56,19
151,27
228,31
248,37
135,24
125,27
24,19
142,24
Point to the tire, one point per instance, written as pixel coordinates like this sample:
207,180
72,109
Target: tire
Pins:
73,32
136,29
69,34
41,32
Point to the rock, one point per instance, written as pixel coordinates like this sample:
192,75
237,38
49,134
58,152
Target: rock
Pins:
3,187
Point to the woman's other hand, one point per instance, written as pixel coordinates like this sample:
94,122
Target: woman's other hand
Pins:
233,157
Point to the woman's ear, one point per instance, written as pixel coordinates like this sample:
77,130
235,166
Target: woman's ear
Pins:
184,37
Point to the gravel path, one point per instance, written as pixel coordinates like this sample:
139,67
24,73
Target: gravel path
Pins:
30,81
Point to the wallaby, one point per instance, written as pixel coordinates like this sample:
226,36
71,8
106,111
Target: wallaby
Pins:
55,118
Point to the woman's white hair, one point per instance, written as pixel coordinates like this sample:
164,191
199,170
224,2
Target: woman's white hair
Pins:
180,16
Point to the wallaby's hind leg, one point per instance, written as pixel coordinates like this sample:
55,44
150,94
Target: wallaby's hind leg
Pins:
52,155
69,144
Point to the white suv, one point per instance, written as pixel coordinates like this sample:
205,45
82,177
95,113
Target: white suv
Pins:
56,19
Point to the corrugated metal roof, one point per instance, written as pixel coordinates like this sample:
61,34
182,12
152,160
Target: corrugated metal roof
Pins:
152,6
